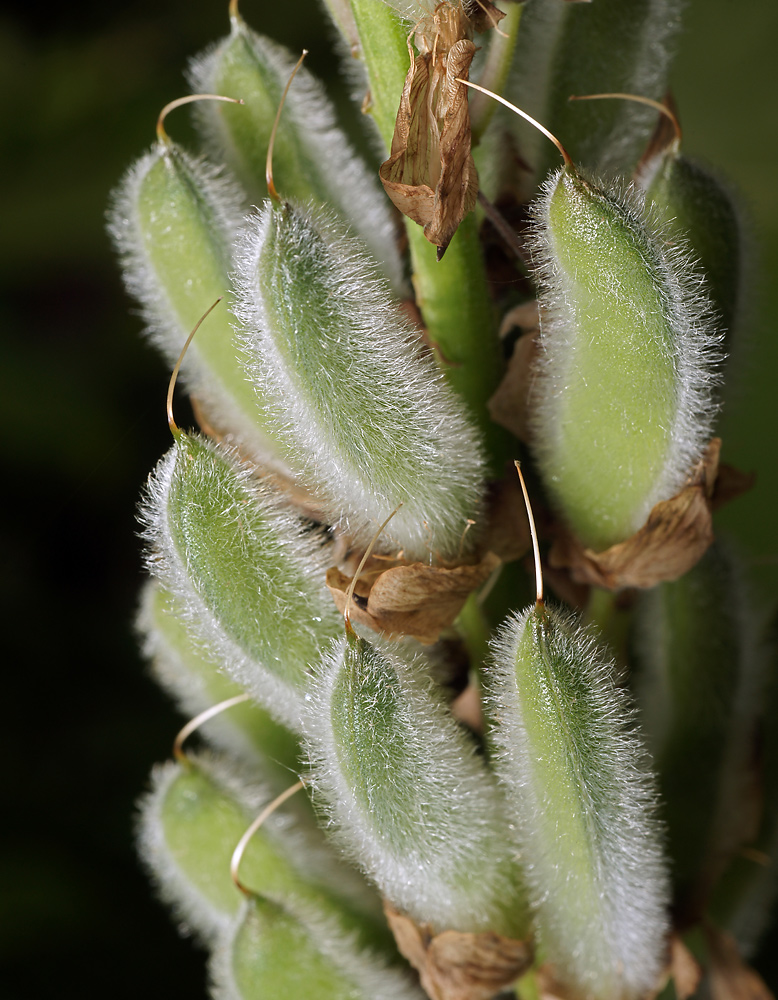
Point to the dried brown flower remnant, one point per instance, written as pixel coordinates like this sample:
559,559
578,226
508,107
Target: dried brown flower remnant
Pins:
457,966
430,174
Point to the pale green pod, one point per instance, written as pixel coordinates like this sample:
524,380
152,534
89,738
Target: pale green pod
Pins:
610,46
276,953
699,683
367,415
191,822
408,798
248,580
174,220
621,408
573,769
696,207
312,158
191,675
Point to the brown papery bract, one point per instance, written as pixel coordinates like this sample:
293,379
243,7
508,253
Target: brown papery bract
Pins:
430,174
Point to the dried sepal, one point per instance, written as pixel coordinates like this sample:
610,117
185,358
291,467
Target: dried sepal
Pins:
417,600
457,966
346,379
408,798
248,580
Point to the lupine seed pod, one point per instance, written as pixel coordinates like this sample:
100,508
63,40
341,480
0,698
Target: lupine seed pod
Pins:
174,220
699,682
584,48
574,773
311,154
190,823
247,579
622,406
409,800
274,952
696,207
366,414
194,678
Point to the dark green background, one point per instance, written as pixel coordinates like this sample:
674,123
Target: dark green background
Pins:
82,422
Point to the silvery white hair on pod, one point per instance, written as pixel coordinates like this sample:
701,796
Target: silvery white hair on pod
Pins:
363,407
351,189
688,311
289,831
616,946
435,846
371,976
198,914
223,202
168,565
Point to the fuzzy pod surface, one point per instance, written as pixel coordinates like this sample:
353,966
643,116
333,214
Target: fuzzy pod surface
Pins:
274,952
247,578
366,414
622,405
190,823
193,677
574,774
696,207
174,220
409,800
312,158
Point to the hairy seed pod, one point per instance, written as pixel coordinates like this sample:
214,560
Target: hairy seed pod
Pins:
188,672
622,406
700,684
311,155
365,412
574,773
696,207
586,48
249,582
274,952
410,801
190,823
174,220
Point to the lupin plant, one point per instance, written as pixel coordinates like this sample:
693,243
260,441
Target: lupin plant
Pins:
419,780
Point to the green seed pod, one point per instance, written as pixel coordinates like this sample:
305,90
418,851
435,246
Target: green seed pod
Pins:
273,952
190,675
574,773
696,207
366,414
622,405
174,220
699,684
311,154
248,581
587,48
408,798
192,820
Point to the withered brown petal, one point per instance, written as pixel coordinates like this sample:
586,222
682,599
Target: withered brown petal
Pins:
457,966
675,537
430,175
508,406
416,600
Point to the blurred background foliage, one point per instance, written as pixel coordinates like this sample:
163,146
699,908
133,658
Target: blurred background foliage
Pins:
82,415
